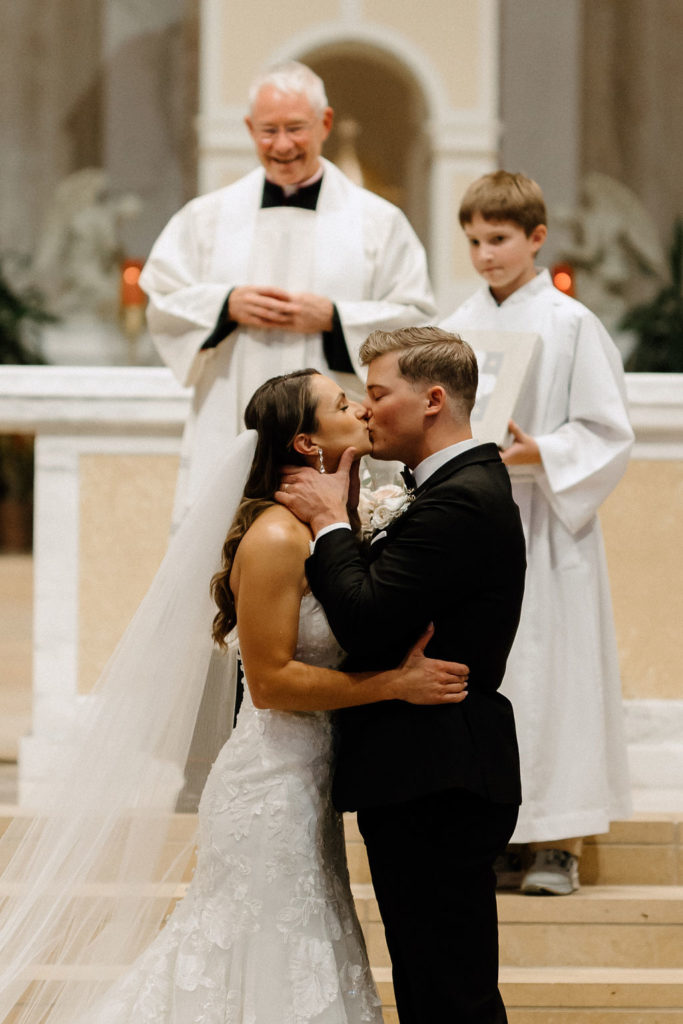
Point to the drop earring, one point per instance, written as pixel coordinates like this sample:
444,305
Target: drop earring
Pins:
321,464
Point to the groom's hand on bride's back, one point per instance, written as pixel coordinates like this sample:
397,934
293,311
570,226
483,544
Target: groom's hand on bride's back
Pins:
319,499
423,680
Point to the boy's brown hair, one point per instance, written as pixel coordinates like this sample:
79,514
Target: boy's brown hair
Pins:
502,195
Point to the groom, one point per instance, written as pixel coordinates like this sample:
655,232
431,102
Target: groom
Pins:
436,788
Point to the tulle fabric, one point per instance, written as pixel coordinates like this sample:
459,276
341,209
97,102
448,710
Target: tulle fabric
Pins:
92,870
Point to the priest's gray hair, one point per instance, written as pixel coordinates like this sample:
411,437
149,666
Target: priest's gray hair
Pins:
292,77
430,355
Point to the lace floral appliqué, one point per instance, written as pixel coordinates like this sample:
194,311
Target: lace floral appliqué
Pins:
266,933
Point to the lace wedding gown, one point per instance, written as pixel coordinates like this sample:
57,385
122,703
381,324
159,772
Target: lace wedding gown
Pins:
267,932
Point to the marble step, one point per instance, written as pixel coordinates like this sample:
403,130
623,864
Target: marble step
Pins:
648,850
181,830
577,995
566,992
532,995
609,954
609,926
626,928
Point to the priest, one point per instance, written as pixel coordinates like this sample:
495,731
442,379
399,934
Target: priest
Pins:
291,266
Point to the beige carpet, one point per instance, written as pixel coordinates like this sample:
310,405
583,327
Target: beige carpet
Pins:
16,595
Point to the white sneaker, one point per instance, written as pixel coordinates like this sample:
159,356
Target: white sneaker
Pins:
552,872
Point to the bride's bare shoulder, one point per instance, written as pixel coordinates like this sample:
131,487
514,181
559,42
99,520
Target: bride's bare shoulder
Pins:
271,555
276,530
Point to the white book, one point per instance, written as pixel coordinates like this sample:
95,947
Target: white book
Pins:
504,359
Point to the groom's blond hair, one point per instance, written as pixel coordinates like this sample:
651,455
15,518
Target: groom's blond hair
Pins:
429,355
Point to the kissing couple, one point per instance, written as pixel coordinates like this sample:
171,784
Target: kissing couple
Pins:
405,642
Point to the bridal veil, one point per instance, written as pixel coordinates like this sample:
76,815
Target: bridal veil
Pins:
90,875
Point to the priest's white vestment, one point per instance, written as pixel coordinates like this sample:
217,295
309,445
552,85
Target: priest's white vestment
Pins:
563,673
356,249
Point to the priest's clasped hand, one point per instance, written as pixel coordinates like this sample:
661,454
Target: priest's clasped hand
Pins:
274,308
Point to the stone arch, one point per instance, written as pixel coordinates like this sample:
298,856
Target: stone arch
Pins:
380,82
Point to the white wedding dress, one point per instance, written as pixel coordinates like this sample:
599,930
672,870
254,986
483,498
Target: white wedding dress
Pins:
267,932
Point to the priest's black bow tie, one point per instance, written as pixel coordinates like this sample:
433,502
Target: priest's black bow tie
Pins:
306,198
408,479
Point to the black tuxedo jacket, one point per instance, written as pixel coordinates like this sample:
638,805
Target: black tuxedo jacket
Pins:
456,558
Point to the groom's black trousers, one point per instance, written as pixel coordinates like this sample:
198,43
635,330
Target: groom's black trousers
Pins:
431,863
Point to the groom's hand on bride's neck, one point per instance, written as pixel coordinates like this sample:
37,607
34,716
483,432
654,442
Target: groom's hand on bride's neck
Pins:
319,499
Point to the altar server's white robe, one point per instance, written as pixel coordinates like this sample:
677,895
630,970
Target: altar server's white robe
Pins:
356,249
563,674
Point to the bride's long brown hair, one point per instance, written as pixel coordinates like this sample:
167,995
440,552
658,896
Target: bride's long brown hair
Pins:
279,410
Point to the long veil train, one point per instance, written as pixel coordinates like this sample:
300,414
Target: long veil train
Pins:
86,887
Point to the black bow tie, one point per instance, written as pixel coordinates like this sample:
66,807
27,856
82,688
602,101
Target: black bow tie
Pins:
306,198
408,479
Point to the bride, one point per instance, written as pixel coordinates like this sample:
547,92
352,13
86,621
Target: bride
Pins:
266,932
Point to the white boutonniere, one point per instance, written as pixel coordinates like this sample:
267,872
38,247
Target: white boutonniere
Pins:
379,508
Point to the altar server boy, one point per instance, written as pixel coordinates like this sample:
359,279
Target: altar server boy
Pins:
570,444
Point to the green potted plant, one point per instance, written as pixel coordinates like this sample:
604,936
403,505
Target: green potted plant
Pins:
21,311
16,492
658,324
